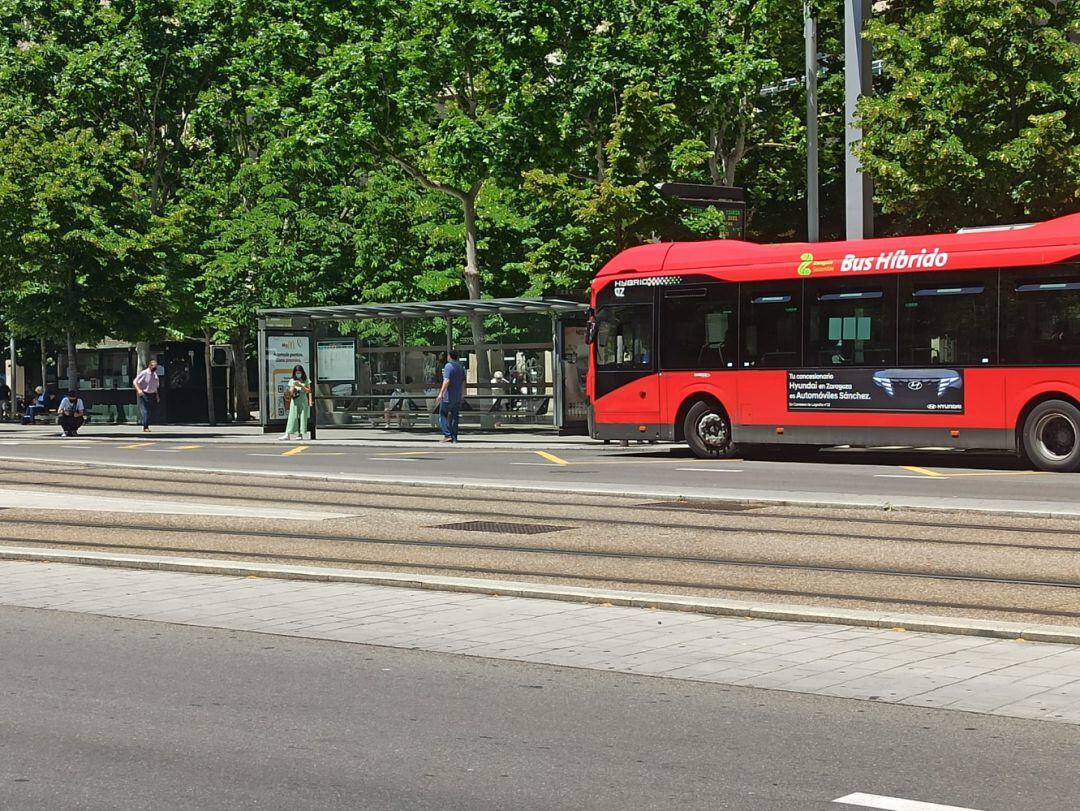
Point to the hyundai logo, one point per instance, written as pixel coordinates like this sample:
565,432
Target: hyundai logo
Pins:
914,385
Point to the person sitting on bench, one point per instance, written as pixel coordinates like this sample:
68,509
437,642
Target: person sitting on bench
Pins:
71,414
399,402
39,405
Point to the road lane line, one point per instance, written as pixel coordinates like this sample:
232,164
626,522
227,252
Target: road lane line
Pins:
137,445
711,469
922,470
48,502
551,457
884,803
296,450
902,476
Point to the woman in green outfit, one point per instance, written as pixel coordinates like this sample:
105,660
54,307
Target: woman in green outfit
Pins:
300,399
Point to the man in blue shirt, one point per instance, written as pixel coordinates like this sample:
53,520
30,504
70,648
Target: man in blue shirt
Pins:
450,396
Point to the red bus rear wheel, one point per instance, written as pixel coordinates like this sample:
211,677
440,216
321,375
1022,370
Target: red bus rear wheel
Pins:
1052,436
708,431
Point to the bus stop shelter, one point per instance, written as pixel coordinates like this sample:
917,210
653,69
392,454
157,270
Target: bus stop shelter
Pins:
380,365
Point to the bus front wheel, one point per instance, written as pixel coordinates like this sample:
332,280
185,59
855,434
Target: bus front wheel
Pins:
708,431
1052,436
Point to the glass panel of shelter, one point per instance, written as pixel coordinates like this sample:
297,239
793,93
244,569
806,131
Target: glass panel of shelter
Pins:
521,386
397,385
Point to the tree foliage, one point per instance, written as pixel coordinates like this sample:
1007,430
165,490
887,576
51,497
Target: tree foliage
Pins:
980,117
179,164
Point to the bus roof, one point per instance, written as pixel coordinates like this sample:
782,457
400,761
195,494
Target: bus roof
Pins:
1047,242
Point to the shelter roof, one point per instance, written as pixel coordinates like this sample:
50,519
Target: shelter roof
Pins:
431,309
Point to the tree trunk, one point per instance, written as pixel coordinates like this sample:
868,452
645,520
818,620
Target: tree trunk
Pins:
210,416
240,376
73,363
142,355
476,321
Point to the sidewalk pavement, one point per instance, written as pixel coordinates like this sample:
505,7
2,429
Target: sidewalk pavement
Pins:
253,434
1033,680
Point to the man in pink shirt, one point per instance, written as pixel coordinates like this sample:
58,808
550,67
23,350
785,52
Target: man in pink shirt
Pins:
146,385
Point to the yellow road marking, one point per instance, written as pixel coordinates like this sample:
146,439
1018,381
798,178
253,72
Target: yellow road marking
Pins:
138,445
296,450
186,447
922,470
925,472
1002,473
551,457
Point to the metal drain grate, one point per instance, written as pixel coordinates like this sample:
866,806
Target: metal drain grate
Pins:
502,527
701,506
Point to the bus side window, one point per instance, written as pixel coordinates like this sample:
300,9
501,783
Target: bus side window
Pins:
699,327
948,319
771,318
1040,316
851,322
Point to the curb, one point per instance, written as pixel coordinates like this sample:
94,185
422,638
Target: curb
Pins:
499,588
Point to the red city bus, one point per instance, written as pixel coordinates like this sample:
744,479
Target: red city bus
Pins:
966,340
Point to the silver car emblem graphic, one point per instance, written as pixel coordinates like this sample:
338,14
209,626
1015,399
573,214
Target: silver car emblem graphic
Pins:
915,385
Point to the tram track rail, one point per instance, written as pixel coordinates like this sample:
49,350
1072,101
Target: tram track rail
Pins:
613,554
564,574
740,521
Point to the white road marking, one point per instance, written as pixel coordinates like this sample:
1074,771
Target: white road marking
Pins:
905,476
895,803
38,500
704,469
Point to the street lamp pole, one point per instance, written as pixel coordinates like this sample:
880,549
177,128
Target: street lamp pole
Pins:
858,187
810,34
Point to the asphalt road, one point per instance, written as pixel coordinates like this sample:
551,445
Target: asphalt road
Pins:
902,478
100,713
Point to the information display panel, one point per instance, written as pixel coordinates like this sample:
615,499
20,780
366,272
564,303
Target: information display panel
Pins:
337,360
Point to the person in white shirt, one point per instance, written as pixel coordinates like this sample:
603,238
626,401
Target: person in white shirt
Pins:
71,414
146,385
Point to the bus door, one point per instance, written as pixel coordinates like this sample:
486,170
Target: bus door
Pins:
627,389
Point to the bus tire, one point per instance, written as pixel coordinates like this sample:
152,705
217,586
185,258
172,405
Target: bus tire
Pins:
708,431
1051,436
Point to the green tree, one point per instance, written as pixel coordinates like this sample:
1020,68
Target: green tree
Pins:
978,117
78,250
438,89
